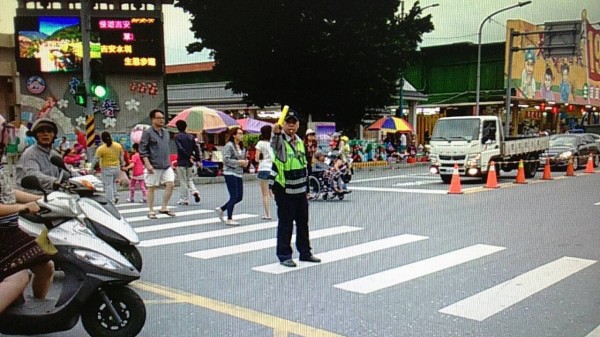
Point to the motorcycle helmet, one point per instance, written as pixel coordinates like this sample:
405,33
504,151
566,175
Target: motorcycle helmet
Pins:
44,122
336,135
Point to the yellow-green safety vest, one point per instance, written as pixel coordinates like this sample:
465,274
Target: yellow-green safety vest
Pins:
293,179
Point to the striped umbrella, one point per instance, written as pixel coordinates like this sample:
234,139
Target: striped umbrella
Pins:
251,125
201,118
391,124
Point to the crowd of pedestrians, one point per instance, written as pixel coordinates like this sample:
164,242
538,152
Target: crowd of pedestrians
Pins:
281,158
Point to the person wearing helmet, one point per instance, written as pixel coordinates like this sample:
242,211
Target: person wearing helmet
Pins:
310,144
35,160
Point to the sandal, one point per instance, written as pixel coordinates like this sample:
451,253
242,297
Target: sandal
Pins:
169,213
152,215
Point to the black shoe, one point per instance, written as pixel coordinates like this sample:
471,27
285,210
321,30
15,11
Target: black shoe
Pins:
288,263
196,197
311,258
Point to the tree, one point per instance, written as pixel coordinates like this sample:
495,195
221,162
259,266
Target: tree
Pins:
329,58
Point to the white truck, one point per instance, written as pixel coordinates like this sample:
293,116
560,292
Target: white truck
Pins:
472,142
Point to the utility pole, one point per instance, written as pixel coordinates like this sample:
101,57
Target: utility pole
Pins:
85,17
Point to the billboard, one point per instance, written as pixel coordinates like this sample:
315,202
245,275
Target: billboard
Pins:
54,44
537,74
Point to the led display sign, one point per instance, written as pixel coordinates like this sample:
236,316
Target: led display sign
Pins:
54,44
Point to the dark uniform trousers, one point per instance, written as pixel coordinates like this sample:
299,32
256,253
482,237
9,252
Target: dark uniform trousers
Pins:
292,208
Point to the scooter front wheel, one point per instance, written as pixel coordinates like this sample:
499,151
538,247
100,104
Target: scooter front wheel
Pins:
98,320
132,254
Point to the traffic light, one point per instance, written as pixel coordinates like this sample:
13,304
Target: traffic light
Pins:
97,79
80,95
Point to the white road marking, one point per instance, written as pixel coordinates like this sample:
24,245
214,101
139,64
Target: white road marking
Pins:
419,175
597,203
189,223
344,253
416,183
595,332
207,235
495,299
269,243
163,216
396,190
395,276
141,208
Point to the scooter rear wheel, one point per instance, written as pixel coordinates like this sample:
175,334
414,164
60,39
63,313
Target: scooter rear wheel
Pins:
98,321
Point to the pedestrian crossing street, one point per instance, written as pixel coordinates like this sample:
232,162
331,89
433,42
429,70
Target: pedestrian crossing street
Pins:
477,307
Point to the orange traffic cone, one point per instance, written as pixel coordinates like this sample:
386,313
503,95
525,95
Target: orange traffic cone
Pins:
570,169
521,173
455,182
547,172
492,180
589,168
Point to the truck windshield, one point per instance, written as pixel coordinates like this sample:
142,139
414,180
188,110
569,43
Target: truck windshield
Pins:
457,129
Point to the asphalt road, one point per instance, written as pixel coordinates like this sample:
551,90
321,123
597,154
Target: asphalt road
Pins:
400,258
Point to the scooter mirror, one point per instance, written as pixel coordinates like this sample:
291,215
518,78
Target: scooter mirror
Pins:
32,183
59,162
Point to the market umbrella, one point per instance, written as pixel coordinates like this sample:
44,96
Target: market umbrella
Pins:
251,125
201,118
391,124
136,132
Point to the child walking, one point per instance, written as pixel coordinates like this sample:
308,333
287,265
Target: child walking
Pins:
137,174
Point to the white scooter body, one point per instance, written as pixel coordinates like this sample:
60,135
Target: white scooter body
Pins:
94,286
98,213
72,233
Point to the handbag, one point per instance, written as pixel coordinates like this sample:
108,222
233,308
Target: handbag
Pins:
19,250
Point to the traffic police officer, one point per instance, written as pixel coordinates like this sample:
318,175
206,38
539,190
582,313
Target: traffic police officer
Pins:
289,185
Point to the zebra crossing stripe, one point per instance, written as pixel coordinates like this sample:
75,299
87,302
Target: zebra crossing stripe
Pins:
269,243
396,190
207,235
139,209
181,224
395,276
344,253
594,333
495,299
163,216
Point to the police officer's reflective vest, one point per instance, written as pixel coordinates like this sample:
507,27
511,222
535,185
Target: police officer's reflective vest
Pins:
291,174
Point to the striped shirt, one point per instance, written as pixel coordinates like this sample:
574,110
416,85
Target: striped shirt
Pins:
7,197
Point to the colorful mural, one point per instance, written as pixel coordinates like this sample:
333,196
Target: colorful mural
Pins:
574,79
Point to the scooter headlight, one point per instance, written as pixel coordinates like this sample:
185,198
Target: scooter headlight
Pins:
96,259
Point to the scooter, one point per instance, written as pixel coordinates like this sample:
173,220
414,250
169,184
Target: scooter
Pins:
95,280
101,215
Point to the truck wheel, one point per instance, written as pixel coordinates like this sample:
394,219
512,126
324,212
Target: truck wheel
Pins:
507,167
531,167
446,178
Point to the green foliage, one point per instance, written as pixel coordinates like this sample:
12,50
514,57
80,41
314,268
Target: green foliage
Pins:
329,58
250,138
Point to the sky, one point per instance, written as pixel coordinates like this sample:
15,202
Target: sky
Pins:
454,20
